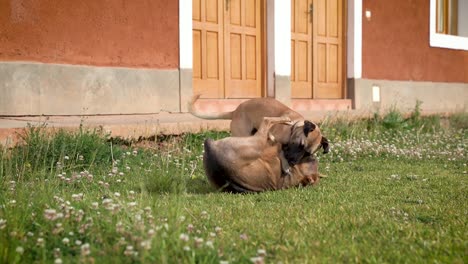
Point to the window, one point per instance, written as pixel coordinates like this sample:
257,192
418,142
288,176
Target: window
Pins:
448,27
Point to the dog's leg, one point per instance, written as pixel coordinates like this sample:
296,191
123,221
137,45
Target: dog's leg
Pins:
268,122
285,168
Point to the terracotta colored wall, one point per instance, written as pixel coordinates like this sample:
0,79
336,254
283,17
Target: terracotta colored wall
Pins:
395,45
136,33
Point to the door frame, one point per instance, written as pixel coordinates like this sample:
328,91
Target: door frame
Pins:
278,46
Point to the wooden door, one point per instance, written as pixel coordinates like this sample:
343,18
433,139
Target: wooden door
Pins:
227,48
208,57
301,49
325,19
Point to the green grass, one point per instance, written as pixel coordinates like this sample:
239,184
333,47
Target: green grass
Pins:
395,192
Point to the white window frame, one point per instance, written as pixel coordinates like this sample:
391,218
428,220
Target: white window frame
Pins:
443,40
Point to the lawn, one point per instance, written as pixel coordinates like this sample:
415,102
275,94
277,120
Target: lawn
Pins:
395,191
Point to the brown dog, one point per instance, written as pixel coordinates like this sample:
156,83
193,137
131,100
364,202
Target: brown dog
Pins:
297,140
252,164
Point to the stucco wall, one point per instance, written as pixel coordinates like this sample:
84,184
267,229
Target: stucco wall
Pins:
395,45
91,32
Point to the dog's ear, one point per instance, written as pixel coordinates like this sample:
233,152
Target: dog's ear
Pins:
325,145
308,127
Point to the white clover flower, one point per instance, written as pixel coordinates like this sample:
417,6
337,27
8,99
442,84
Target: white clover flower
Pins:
209,244
184,237
65,240
146,244
57,252
3,223
20,250
261,252
106,201
187,248
138,217
78,242
189,228
85,250
119,227
58,261
77,197
129,251
40,241
50,214
198,241
257,260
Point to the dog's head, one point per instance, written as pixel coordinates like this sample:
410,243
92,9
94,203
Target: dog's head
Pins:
306,139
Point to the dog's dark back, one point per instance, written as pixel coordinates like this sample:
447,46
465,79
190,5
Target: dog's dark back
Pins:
216,173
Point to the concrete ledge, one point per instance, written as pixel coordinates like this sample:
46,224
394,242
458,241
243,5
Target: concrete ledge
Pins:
138,126
124,126
48,89
435,97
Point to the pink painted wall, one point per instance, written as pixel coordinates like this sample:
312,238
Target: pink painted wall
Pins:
395,45
136,33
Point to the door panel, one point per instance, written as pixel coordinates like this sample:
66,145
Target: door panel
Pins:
317,49
227,43
328,45
301,49
243,48
208,57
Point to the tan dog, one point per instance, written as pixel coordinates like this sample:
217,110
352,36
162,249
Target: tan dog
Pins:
248,116
252,164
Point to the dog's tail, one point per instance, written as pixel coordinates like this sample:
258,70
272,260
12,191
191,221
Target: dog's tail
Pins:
195,112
